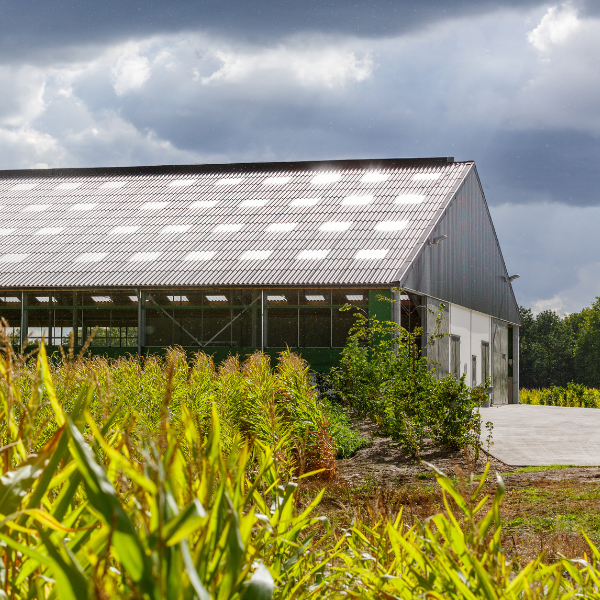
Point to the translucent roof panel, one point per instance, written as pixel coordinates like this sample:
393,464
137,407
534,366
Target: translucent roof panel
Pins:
348,223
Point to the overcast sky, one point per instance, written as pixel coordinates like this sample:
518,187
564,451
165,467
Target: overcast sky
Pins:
514,85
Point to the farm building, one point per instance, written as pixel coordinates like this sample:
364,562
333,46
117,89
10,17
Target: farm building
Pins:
234,258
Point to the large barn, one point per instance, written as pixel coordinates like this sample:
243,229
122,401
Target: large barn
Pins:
238,257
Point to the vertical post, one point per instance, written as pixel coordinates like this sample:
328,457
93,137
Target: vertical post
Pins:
24,320
515,365
75,324
139,322
51,319
263,316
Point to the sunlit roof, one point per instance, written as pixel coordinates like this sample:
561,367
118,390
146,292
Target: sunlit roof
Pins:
357,200
68,185
304,201
13,258
225,227
175,228
202,204
49,231
181,182
273,227
84,206
391,225
255,255
154,205
5,231
374,177
144,256
36,208
370,254
426,176
410,199
276,180
253,203
229,181
125,229
91,257
312,254
200,255
325,178
336,226
112,185
22,187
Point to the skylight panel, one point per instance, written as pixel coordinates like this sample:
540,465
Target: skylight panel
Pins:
68,185
354,297
404,297
391,225
325,178
276,227
356,200
49,231
13,258
124,229
229,181
305,202
45,299
4,231
22,187
112,185
426,176
216,298
177,298
10,299
253,203
133,298
255,255
370,254
36,208
84,206
312,255
182,182
144,256
200,255
91,257
203,204
276,299
175,228
276,180
227,227
154,205
336,226
101,299
374,177
315,297
410,199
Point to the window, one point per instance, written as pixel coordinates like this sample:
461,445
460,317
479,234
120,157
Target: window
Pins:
473,371
485,361
455,356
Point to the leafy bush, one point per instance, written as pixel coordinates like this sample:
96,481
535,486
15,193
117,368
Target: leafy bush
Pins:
382,375
347,440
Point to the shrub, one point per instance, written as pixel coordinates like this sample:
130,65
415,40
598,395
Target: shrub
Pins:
382,375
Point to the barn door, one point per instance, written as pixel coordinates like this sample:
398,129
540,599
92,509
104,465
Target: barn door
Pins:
500,361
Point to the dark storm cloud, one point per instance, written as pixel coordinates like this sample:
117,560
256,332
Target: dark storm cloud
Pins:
28,26
530,166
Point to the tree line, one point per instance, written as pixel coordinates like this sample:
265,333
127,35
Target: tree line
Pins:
558,350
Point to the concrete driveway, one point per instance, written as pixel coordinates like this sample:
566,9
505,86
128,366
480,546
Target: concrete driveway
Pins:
525,435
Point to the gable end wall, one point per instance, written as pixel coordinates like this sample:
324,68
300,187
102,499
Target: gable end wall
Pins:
467,268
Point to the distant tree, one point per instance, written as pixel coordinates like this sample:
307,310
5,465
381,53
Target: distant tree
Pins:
587,347
547,345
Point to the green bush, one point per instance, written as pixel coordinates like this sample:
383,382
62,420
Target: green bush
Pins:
382,375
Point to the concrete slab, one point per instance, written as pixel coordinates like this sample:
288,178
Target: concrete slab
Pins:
526,435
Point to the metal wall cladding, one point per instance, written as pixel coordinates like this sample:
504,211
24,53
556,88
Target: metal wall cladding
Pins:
169,212
467,268
439,350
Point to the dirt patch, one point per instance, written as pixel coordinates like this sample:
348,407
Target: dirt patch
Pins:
386,463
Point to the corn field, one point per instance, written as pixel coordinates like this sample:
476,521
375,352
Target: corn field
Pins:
575,395
194,510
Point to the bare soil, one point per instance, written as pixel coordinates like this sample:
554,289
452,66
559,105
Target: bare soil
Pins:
543,510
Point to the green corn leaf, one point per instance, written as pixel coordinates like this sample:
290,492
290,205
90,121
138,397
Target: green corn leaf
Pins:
71,582
14,485
46,377
187,521
261,585
103,498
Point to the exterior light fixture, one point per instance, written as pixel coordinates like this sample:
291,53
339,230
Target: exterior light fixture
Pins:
437,240
511,278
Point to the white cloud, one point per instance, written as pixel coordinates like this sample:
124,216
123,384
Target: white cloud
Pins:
327,66
130,72
556,27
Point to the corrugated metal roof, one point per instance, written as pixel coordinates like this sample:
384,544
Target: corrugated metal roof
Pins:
88,204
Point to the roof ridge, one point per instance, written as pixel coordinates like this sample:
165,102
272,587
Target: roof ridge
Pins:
230,167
